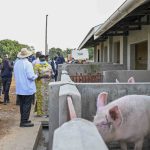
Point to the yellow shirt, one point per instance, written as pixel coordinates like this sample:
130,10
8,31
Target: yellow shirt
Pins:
43,69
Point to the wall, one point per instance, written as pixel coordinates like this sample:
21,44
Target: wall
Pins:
133,38
124,75
137,37
72,69
89,93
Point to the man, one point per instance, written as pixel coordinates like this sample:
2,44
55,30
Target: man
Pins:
25,85
60,59
54,68
6,75
0,76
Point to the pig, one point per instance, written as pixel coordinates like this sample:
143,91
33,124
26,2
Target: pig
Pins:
126,119
130,80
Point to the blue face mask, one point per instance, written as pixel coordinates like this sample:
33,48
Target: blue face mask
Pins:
42,62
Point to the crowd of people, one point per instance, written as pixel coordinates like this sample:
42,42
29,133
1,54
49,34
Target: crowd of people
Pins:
32,76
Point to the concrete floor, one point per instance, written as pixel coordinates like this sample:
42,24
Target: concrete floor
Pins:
21,138
43,141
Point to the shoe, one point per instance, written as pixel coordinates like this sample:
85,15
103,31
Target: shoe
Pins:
26,124
46,116
28,121
5,103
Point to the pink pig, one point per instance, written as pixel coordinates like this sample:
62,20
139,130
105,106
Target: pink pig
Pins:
126,119
130,80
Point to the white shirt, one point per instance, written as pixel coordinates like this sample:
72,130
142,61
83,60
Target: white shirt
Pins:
24,77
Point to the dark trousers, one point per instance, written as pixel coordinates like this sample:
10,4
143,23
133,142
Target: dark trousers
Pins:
56,74
6,86
25,106
0,86
18,102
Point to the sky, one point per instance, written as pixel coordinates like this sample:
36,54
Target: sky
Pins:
69,21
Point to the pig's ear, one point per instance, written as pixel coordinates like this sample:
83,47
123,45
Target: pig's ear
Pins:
131,80
116,115
102,99
117,81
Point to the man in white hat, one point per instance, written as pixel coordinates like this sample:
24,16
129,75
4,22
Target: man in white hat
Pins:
25,85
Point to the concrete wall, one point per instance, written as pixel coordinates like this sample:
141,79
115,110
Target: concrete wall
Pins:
78,134
137,37
53,109
68,90
124,75
72,69
58,110
89,93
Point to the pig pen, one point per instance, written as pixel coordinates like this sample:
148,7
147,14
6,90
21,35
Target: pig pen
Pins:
85,69
84,98
124,75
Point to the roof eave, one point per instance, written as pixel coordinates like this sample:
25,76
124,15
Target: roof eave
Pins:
120,13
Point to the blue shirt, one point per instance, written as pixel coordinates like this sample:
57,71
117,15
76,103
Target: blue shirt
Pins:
24,77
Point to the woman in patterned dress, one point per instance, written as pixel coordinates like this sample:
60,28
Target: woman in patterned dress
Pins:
43,69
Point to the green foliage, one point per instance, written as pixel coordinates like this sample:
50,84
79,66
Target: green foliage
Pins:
66,52
53,52
11,47
91,53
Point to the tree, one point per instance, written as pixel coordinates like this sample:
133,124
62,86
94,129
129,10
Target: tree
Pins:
11,47
53,52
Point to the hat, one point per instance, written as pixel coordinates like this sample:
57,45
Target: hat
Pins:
24,53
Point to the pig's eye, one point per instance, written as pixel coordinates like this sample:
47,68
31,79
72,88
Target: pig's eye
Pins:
108,122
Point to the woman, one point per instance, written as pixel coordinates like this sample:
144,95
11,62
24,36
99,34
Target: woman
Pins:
43,69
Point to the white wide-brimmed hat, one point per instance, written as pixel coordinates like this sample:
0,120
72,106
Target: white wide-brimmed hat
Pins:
24,53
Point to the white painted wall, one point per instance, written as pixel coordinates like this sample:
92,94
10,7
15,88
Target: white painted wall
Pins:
137,37
133,38
118,39
105,51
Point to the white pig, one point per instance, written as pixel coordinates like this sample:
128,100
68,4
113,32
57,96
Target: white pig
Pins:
130,80
126,119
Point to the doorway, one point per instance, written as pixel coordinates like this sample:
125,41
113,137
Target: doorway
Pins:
139,56
117,52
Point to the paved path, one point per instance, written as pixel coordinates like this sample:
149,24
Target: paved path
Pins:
20,138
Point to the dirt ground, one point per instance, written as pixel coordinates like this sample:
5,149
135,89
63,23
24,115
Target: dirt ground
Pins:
8,113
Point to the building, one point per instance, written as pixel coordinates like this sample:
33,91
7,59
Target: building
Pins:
124,37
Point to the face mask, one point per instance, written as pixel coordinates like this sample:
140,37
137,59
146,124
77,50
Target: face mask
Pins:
42,62
42,59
